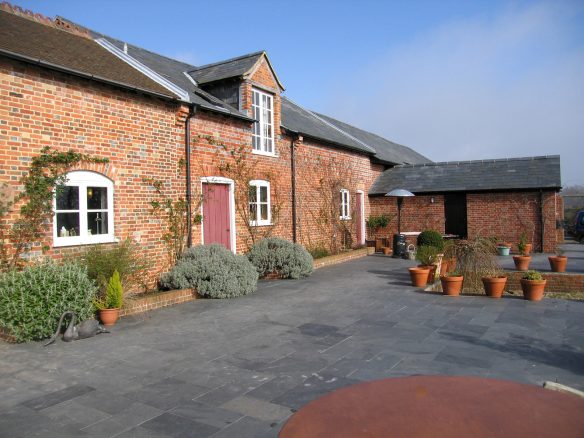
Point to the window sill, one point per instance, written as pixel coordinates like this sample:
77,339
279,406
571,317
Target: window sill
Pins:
261,224
266,154
79,242
347,218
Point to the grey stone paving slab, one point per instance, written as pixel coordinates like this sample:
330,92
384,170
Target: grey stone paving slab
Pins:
236,368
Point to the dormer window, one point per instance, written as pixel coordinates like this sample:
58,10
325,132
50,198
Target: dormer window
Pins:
263,128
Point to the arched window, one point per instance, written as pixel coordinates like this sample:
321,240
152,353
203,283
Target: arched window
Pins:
259,203
345,211
84,210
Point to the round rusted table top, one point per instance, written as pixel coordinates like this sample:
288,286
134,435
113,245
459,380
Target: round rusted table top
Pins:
440,406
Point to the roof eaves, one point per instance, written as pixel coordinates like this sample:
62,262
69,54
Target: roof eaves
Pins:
326,140
182,94
56,67
225,61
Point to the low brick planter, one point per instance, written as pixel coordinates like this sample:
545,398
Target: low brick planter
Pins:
556,282
150,301
342,257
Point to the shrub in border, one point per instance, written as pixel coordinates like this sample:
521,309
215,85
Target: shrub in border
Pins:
281,257
213,271
32,300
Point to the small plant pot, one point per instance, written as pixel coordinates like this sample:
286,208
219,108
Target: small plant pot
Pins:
419,276
522,262
431,274
494,286
528,248
503,250
379,244
386,250
444,267
533,289
451,286
558,263
108,317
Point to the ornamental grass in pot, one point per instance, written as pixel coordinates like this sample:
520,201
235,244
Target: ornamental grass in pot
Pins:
533,285
475,259
109,305
452,283
559,261
523,259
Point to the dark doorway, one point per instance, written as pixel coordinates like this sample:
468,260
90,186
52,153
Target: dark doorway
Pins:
455,214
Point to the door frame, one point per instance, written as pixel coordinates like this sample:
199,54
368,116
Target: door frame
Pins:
362,224
229,182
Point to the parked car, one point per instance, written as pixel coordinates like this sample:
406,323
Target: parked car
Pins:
579,227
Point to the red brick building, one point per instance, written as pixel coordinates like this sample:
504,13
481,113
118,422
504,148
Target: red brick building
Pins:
252,162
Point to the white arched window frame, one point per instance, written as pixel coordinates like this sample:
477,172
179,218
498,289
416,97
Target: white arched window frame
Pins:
345,211
260,207
84,210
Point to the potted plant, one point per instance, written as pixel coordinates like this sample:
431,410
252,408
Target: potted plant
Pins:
419,276
494,283
374,223
503,249
533,285
452,283
108,306
522,260
559,261
427,256
386,250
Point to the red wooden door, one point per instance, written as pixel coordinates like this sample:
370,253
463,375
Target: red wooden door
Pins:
359,214
216,216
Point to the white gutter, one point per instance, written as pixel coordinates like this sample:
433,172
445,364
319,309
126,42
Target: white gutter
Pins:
143,69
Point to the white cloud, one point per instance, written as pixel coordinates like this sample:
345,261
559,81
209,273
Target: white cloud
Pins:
483,88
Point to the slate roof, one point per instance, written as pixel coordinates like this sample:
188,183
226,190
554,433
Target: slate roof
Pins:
298,119
385,151
171,69
480,175
44,44
229,68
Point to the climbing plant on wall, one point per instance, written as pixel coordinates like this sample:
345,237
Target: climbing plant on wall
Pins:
46,175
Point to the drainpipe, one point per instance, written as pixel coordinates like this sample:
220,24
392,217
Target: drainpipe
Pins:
293,181
541,220
191,115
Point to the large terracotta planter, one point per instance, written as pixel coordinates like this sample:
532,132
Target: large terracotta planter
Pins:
380,243
494,286
522,262
431,274
533,289
386,250
419,276
558,263
108,317
444,267
451,286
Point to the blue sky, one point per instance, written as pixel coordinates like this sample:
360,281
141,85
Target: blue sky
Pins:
455,80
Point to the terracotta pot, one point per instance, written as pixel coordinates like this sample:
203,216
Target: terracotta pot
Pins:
108,317
533,289
431,274
528,248
386,250
451,286
494,286
379,243
444,267
419,276
558,263
522,262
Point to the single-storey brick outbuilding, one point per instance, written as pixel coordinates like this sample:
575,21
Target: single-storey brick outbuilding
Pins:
249,161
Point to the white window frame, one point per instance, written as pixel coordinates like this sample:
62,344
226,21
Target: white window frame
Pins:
257,183
262,124
345,204
84,179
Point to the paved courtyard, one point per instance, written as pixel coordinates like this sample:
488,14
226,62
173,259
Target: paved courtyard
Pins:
241,367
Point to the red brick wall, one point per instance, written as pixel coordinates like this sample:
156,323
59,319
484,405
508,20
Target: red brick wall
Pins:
504,215
138,134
